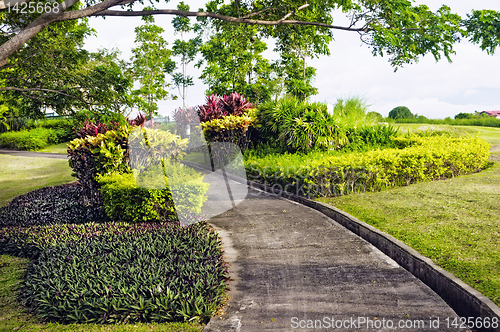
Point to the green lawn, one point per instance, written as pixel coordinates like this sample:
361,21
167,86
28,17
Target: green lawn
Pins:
454,222
19,175
491,134
58,148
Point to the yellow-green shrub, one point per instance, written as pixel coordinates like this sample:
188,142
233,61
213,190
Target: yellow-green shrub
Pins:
102,154
320,174
230,128
148,196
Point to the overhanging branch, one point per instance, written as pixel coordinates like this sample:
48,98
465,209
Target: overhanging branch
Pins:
220,17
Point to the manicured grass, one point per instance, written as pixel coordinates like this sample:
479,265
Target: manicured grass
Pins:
490,134
454,222
58,148
19,175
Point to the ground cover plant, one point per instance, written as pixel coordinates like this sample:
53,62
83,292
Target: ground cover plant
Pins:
454,222
160,272
51,205
149,272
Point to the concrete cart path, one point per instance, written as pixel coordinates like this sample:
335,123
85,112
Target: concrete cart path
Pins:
294,267
33,154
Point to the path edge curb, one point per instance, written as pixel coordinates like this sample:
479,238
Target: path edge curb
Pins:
466,301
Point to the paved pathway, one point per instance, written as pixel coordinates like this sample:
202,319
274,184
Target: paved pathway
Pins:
33,154
294,267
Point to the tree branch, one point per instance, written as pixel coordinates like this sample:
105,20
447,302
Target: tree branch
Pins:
259,12
54,15
218,16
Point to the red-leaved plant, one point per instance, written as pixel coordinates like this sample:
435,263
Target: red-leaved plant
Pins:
138,121
186,116
94,129
217,107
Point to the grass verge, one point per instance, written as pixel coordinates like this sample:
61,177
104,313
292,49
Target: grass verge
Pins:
19,175
454,222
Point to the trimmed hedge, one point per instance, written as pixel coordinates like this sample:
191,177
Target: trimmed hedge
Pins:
47,132
141,273
420,159
29,140
51,205
142,199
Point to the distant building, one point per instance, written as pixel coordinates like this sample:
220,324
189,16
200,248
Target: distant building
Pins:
492,113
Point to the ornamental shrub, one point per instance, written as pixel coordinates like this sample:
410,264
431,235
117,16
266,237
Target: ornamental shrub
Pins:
148,196
141,273
102,154
217,107
148,146
419,159
300,126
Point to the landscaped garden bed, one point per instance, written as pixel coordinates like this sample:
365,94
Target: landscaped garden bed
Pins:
111,272
90,266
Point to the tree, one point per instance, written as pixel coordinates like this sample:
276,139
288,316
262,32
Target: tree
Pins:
53,71
395,28
149,60
234,62
401,112
186,50
464,116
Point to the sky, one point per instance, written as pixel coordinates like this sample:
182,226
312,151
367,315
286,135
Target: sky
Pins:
433,89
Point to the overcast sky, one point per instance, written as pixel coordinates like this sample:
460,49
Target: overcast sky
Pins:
436,90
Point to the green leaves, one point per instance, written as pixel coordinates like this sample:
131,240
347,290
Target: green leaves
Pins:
483,28
130,273
406,32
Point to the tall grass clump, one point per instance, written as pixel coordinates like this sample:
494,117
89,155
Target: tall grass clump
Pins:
352,112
